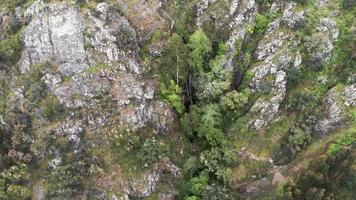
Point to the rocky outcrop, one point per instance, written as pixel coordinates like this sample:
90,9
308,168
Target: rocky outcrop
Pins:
335,104
144,186
55,33
96,61
243,12
274,53
349,95
146,16
320,44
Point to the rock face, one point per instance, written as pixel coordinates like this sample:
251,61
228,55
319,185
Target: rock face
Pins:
55,33
146,16
349,95
146,185
274,53
334,104
92,66
320,44
96,55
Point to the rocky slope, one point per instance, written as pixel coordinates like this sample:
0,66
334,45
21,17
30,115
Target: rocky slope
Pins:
203,99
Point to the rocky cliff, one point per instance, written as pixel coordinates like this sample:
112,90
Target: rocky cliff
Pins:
156,99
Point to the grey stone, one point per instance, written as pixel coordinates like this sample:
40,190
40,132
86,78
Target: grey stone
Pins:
349,95
144,186
292,18
56,34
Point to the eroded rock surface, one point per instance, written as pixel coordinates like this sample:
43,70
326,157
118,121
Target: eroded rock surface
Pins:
144,186
274,52
335,104
107,66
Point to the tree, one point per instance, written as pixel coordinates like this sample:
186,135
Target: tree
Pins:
174,60
12,183
172,95
234,100
200,47
217,161
197,184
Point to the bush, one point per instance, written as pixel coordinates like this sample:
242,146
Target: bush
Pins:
192,166
345,141
151,151
127,140
201,48
172,96
10,49
217,160
212,84
299,138
262,22
197,184
63,182
12,183
348,4
234,100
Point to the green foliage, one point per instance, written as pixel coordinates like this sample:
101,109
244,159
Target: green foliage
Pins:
18,192
16,173
214,83
210,115
172,96
235,100
189,122
192,198
151,151
262,22
3,194
184,17
192,166
127,139
12,183
97,68
323,179
336,147
63,182
299,138
197,184
10,49
174,60
51,106
201,48
217,160
12,4
348,4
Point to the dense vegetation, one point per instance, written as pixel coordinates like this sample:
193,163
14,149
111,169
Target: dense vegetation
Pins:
212,104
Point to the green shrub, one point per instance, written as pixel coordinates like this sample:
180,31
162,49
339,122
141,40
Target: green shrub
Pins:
217,161
192,166
174,61
10,49
151,151
336,147
197,184
126,139
200,47
172,96
234,100
12,183
63,182
348,4
262,22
